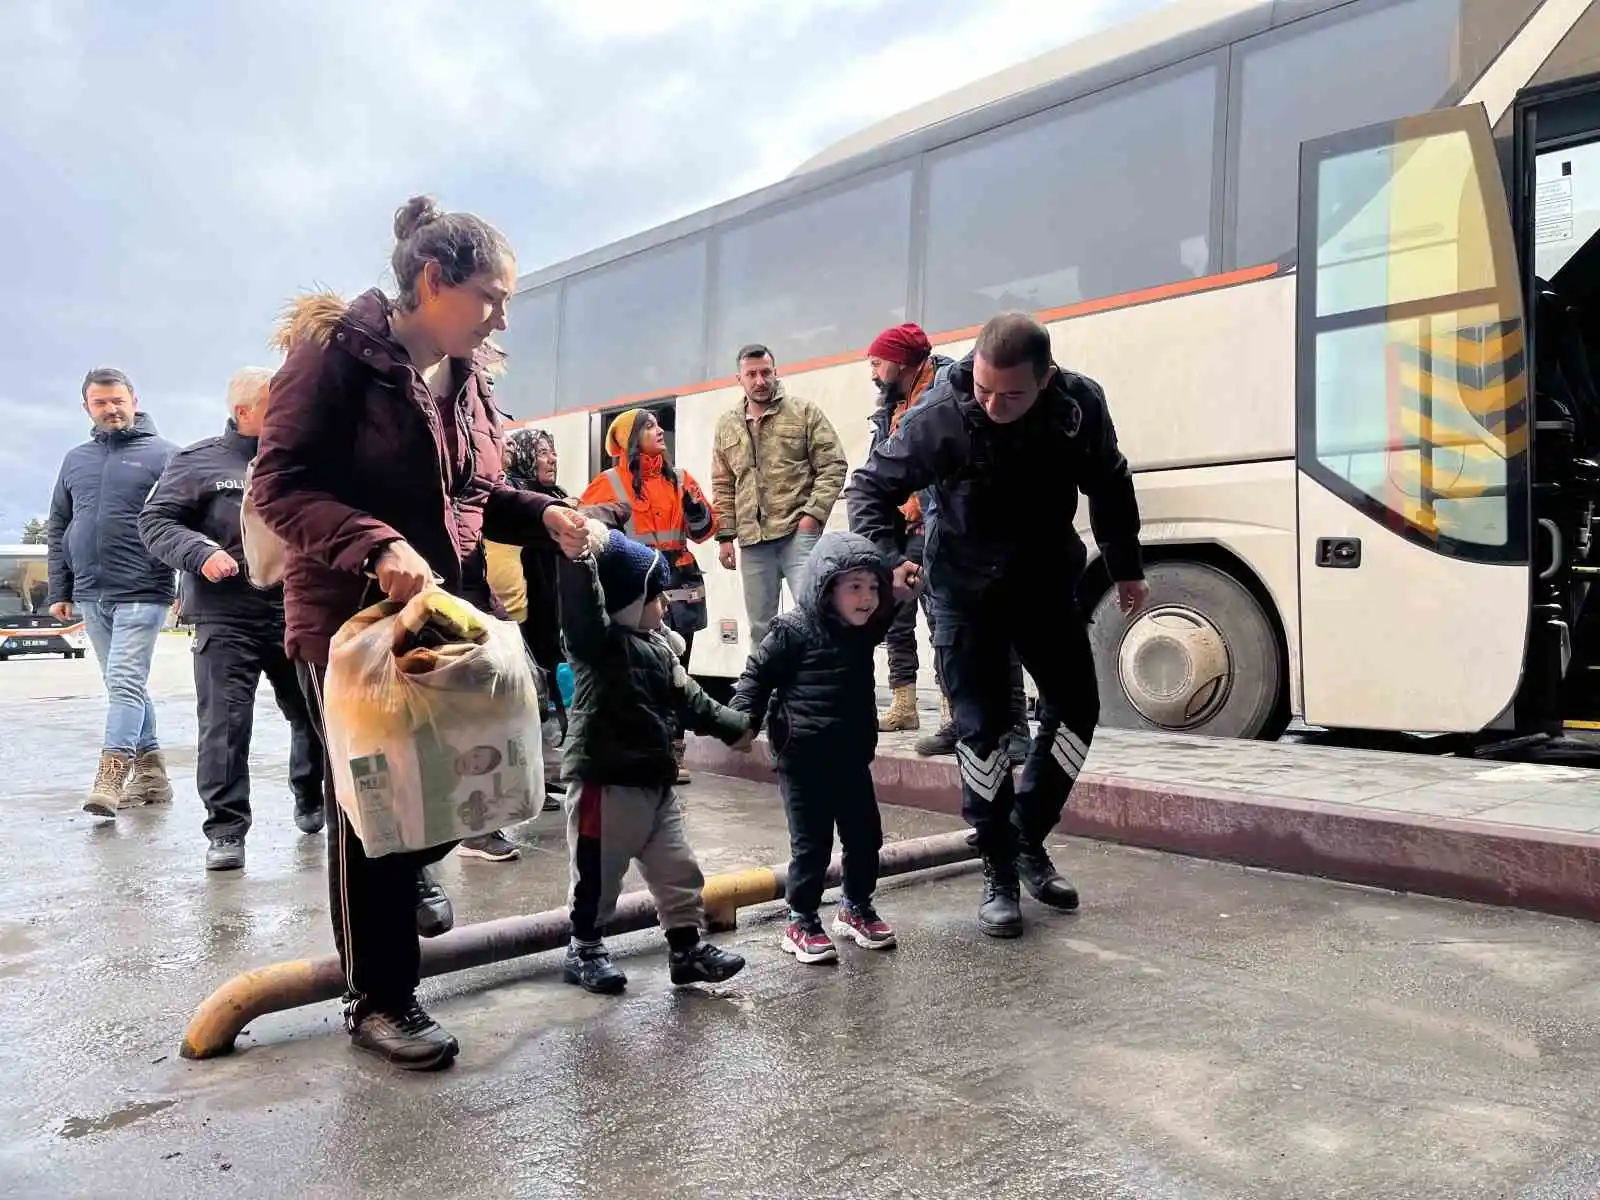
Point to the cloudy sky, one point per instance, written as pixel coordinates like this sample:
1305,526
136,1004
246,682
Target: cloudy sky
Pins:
176,169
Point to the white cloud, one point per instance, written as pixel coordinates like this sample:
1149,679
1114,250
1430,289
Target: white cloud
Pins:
180,172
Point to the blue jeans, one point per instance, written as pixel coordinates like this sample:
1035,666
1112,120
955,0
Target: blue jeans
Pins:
765,568
123,635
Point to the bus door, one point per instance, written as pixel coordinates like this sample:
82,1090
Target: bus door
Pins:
1556,214
1411,429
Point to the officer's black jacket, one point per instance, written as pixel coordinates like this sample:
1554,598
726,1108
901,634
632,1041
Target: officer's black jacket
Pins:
1004,495
194,512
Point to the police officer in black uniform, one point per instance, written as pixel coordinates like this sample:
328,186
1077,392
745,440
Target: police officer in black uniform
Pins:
191,522
1007,440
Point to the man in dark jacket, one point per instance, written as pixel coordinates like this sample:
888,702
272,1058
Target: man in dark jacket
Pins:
191,523
903,368
99,563
1006,440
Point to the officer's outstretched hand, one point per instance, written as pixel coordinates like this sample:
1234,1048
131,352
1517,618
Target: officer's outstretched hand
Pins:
1132,597
907,581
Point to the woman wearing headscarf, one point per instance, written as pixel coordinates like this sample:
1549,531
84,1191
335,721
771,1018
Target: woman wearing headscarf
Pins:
668,512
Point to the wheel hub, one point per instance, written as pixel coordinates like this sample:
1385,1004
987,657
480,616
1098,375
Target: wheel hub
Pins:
1175,667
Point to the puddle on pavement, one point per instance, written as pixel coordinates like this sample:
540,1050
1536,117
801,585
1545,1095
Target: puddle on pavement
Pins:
121,1118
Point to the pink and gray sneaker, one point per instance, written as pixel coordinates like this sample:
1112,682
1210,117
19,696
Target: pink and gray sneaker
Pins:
862,923
808,941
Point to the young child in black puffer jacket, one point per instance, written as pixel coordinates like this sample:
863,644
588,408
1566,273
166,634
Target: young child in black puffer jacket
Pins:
631,695
815,670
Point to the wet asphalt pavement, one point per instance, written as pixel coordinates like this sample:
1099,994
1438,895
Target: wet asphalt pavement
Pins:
1198,1031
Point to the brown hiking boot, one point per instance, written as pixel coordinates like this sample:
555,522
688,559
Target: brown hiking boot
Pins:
902,711
148,782
679,749
106,795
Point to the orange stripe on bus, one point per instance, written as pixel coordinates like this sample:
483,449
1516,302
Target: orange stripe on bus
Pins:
1166,291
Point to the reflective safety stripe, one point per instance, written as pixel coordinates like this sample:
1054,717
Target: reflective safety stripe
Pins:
983,775
673,539
685,595
1069,752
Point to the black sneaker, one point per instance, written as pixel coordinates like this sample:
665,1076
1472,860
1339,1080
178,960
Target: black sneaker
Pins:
593,971
407,1037
1000,914
225,854
491,847
552,802
940,741
309,820
1044,883
703,963
435,913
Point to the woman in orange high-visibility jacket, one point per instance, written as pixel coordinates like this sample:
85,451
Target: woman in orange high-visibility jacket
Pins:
669,512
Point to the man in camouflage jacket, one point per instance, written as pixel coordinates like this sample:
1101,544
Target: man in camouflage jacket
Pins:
777,470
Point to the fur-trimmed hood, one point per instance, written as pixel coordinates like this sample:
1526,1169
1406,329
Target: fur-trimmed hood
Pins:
314,316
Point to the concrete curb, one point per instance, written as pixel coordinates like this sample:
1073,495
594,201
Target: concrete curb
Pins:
1542,869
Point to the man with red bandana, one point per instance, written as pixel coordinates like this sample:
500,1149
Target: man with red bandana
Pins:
903,366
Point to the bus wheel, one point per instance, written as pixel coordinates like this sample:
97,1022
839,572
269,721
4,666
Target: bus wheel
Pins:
1203,658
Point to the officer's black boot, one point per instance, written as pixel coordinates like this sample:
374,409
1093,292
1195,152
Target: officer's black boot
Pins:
1044,883
1000,914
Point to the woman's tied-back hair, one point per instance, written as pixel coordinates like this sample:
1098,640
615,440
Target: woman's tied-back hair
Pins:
461,243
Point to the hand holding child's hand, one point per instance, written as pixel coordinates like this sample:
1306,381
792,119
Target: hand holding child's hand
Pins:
599,536
746,740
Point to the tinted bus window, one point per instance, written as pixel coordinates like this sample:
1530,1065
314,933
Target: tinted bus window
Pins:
1098,197
528,387
820,278
1357,67
635,326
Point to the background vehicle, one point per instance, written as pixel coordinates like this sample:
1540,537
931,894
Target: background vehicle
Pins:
26,626
1337,525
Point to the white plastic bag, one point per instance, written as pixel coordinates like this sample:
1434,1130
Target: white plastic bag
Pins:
431,744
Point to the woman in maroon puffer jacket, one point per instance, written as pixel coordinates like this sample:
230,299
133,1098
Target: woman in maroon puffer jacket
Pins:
379,467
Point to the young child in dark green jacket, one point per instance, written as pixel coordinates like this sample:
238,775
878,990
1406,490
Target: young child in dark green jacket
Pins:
629,687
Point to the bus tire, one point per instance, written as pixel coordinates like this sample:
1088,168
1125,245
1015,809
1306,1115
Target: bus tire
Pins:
1203,658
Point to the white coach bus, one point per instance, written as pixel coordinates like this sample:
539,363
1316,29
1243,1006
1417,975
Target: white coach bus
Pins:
1335,265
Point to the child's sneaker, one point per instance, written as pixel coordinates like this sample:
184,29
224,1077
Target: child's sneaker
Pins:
862,922
703,963
591,968
808,941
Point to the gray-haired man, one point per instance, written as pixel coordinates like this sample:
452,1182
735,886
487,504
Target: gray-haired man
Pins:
191,522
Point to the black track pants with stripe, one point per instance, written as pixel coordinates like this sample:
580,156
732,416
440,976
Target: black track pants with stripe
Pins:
974,647
373,901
